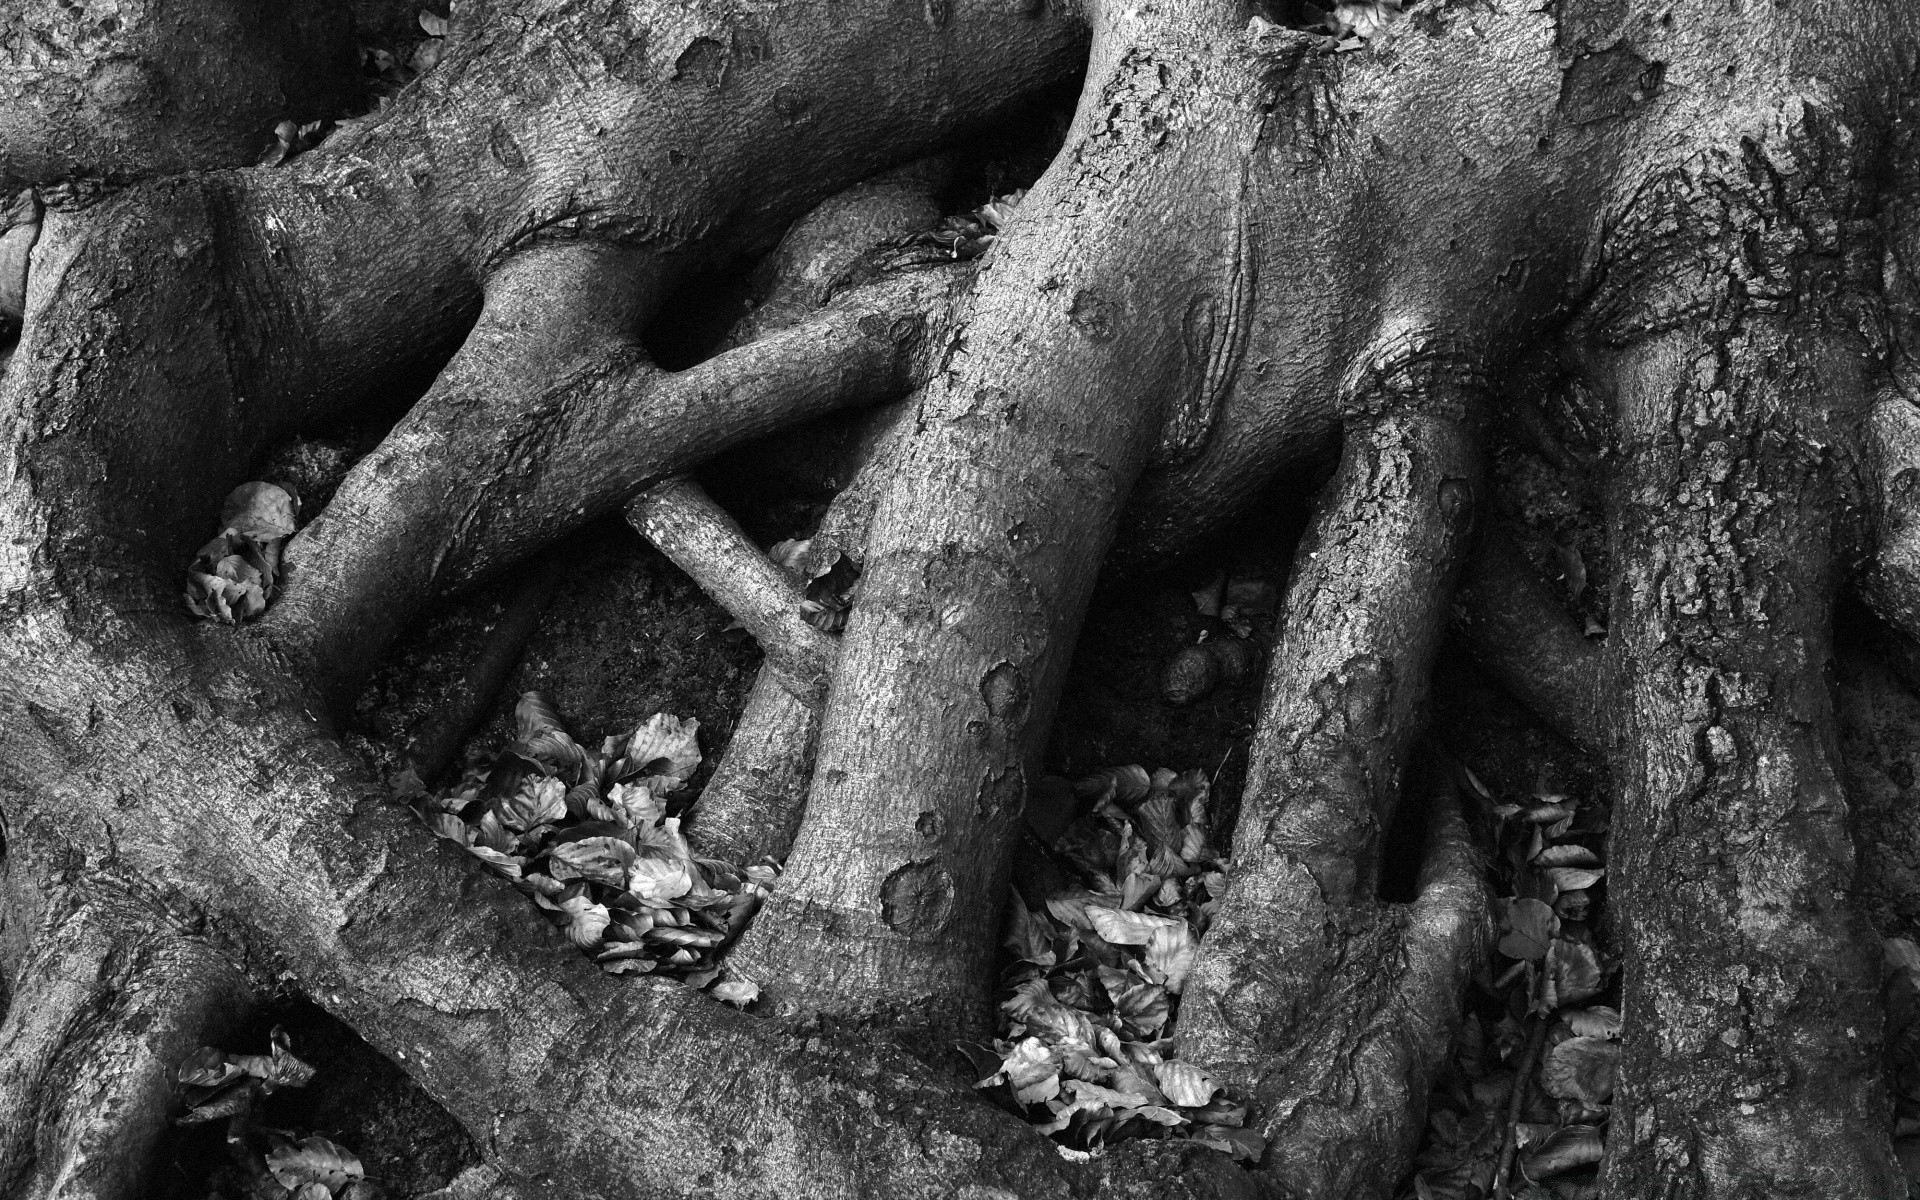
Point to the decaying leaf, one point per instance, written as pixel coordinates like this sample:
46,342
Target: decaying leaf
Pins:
1124,928
208,1067
1185,1084
1581,1068
313,1160
662,746
585,835
1566,1149
737,992
1573,974
1530,926
597,859
1099,969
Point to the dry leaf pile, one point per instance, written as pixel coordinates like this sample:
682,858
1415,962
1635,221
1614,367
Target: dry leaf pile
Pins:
1522,1108
1091,996
593,837
219,1085
235,576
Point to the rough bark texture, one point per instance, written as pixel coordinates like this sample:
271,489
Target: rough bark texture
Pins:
1250,250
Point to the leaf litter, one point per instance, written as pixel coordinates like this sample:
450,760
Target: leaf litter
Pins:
1086,1051
236,575
1521,1109
593,839
218,1085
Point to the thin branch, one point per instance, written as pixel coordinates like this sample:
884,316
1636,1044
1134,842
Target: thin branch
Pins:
704,541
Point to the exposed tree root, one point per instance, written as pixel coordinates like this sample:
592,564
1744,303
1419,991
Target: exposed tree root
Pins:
701,539
1891,582
1519,633
433,748
560,1071
107,1004
751,807
548,417
1215,168
1326,1006
1751,976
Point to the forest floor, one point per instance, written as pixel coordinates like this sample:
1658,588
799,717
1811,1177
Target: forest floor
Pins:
628,635
1521,1108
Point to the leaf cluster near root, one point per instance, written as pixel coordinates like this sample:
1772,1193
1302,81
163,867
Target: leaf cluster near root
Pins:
1086,1051
1521,1110
593,838
220,1085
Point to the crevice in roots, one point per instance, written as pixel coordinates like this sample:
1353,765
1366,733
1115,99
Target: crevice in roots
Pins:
407,1144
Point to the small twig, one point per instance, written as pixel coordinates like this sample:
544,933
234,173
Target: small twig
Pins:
701,539
1223,764
1509,1140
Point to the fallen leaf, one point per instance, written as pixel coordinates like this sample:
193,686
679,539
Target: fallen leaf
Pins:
1580,1068
1566,856
1171,953
539,800
1124,928
262,511
1574,1146
663,745
229,1103
1530,929
603,860
1598,1021
586,921
1243,1144
278,1068
737,992
1573,879
1185,1084
1573,972
313,1160
208,1067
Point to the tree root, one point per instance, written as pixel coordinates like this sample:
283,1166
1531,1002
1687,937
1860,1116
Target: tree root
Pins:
701,539
1518,632
570,422
109,1002
1731,854
1891,582
1325,1006
560,1071
751,807
433,748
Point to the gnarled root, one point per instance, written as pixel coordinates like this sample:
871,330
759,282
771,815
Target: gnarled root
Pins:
559,1071
550,416
1327,1007
107,1003
1750,978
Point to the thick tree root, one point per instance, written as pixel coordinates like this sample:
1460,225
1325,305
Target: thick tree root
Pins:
1328,1008
108,1003
1751,1059
983,551
1891,582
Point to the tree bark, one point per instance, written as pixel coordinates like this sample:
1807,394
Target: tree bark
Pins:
1251,248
